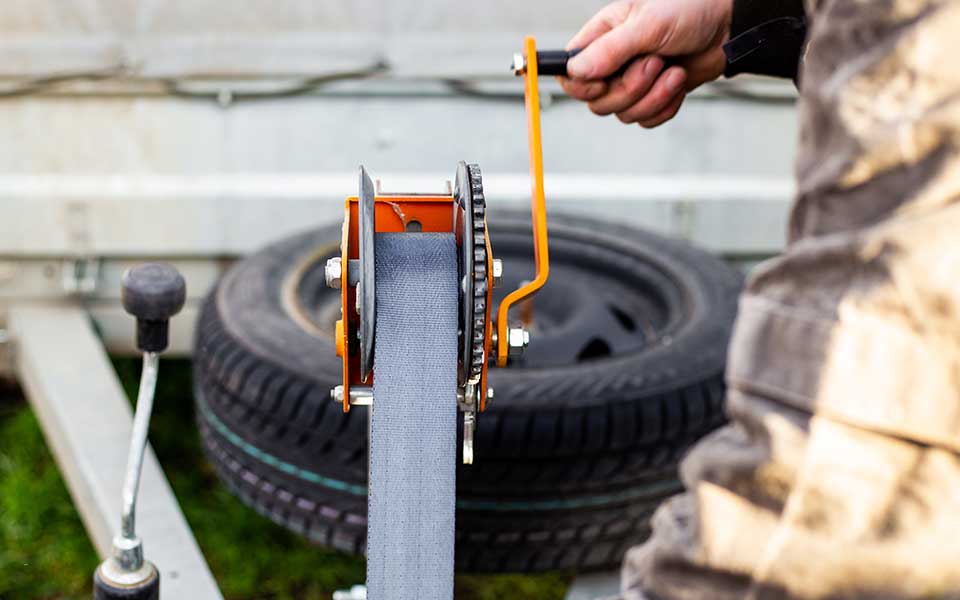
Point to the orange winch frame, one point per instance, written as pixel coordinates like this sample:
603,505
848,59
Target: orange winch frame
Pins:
393,213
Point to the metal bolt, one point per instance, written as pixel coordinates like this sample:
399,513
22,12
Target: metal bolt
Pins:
519,65
489,396
333,272
518,339
360,395
497,272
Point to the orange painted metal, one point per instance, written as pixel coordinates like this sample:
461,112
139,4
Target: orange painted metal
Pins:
348,306
393,213
488,334
339,337
537,201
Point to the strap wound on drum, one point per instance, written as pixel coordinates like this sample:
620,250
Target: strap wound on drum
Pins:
413,429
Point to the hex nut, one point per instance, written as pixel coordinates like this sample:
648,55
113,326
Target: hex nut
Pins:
336,394
519,65
333,272
518,339
497,272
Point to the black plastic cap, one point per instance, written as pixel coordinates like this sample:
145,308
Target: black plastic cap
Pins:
106,590
153,293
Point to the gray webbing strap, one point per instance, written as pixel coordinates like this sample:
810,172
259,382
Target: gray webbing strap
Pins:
413,430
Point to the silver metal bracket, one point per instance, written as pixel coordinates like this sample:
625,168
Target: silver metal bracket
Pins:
7,353
80,271
468,402
79,276
469,425
366,294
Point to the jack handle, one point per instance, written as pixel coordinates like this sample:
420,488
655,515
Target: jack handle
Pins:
152,293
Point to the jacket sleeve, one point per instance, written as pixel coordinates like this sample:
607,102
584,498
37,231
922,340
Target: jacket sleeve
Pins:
766,38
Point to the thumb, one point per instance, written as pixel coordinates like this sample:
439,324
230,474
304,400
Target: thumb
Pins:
607,53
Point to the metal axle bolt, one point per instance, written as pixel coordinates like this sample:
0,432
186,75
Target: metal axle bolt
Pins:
360,395
518,339
333,272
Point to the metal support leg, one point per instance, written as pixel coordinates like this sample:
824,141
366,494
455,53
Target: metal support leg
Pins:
128,547
125,573
86,420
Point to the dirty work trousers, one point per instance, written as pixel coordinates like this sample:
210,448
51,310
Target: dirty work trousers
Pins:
838,475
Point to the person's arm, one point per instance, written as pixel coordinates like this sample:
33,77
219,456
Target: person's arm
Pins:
766,38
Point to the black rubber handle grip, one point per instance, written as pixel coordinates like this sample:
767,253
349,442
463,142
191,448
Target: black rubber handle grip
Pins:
153,293
554,62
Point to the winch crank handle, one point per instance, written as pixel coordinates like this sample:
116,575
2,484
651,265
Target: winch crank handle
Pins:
152,293
554,62
538,208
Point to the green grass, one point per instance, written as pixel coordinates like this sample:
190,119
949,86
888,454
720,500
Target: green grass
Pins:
45,553
44,550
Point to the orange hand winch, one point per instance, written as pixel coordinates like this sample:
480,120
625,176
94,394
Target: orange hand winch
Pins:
460,209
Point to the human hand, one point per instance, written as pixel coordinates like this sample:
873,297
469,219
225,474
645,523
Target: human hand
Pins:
690,33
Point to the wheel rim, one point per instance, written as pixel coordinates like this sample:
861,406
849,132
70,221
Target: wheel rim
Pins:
597,303
601,302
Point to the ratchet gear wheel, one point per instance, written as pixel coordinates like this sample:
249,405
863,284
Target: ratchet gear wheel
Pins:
470,226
